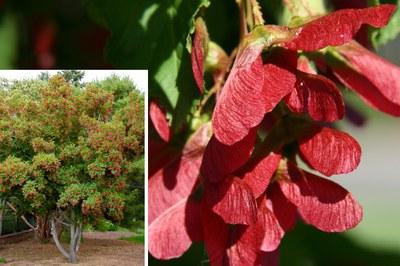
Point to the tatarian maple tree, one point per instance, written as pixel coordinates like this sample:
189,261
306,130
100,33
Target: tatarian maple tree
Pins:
237,183
68,153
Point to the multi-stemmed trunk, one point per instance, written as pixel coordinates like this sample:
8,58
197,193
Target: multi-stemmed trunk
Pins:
75,227
42,230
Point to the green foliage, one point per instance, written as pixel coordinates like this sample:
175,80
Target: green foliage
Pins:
119,87
138,239
13,172
40,145
73,76
72,149
164,25
75,194
2,260
104,225
46,162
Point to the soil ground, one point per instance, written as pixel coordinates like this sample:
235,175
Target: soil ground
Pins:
97,249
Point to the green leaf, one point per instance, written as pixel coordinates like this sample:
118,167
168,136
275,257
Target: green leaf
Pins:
384,35
203,3
150,34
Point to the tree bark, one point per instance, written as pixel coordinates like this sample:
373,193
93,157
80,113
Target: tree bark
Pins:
43,230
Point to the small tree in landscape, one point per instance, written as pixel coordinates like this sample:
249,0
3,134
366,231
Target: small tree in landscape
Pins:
68,154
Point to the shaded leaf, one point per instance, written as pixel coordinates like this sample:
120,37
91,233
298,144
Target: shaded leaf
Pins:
220,160
170,234
199,52
233,200
284,210
273,232
244,244
278,82
178,177
330,151
216,234
159,120
258,173
321,202
317,96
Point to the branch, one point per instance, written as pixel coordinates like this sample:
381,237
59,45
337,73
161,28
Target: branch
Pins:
22,216
61,222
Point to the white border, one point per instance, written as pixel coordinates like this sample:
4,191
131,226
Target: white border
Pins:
146,175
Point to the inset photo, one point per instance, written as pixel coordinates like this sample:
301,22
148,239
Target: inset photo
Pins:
72,167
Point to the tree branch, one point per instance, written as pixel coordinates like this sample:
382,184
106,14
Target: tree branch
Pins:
22,216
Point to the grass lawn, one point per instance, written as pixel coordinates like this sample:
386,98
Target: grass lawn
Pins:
138,238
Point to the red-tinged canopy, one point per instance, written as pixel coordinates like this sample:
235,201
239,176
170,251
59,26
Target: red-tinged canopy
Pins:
159,120
240,105
372,77
177,178
317,96
330,151
172,233
338,27
219,160
321,202
233,200
199,47
258,173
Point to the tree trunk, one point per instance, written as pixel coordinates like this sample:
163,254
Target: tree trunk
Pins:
76,233
54,234
43,230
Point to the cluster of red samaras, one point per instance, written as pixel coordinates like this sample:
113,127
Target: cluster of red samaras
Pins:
239,191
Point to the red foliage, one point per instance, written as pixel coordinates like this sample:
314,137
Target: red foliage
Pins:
250,190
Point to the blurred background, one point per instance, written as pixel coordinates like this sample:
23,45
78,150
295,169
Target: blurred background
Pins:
50,34
61,34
